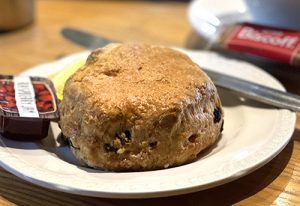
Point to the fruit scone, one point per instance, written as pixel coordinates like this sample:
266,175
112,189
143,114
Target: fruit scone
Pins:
139,107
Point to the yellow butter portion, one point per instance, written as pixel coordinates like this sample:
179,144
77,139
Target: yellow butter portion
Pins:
59,78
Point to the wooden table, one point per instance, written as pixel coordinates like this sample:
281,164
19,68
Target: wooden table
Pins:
166,23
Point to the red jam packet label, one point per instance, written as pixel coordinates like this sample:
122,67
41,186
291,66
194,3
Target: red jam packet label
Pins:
24,97
31,97
273,43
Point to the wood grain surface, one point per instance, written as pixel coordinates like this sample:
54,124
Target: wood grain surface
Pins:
158,22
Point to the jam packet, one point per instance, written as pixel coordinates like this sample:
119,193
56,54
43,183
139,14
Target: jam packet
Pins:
276,44
27,105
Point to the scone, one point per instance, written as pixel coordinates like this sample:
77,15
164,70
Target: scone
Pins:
139,107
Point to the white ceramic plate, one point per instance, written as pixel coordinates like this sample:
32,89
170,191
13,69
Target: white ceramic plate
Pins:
253,135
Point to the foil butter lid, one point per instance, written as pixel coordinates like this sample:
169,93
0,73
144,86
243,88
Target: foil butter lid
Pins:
59,78
27,104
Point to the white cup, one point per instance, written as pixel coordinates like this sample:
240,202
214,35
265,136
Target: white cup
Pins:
280,13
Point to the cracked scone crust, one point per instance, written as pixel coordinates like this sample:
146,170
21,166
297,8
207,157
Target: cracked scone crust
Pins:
139,107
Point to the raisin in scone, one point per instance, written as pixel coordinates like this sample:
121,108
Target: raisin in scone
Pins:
139,107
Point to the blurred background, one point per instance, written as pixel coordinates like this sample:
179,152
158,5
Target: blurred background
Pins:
41,40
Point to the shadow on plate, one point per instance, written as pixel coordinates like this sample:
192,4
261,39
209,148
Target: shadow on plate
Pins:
211,150
60,148
6,142
230,99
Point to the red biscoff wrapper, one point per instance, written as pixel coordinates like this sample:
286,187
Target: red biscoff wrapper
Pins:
276,44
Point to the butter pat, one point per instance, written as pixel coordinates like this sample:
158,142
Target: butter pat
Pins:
62,76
